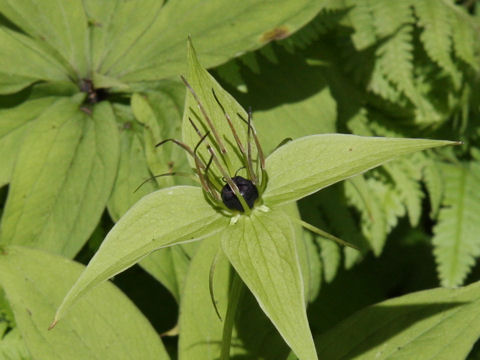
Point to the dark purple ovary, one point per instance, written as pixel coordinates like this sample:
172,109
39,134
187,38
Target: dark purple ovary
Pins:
247,189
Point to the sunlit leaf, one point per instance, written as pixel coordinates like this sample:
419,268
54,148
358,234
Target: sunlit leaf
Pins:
60,24
432,324
157,220
262,250
62,178
105,324
321,160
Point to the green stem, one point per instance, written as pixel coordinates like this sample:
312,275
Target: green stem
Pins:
236,291
324,234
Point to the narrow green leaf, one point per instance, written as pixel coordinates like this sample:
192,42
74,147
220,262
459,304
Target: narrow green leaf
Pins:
322,160
205,86
23,61
435,324
60,24
220,30
62,178
104,325
262,250
456,242
157,220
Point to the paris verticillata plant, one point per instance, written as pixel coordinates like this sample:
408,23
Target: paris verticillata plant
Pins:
241,199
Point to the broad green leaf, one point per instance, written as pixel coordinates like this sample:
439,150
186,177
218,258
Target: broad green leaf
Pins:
262,250
163,218
433,324
309,164
117,25
104,325
205,86
62,178
23,61
13,123
60,24
456,242
220,30
201,331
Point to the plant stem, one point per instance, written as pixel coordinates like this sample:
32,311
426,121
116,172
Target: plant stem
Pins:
236,291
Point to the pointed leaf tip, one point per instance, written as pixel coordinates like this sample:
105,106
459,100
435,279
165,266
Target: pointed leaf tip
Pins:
52,325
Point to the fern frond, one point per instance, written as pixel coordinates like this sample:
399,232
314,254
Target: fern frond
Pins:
433,181
456,236
362,21
390,16
395,61
407,187
374,226
465,37
434,17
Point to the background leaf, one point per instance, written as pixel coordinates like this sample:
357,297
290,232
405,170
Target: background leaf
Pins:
456,242
219,29
62,178
13,124
23,61
431,324
61,26
107,323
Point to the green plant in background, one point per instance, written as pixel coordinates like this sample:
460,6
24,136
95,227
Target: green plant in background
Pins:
91,87
259,244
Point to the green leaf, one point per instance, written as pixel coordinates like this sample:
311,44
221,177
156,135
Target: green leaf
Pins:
432,324
205,86
23,61
62,25
62,178
456,242
322,160
201,333
434,16
154,49
262,250
12,346
13,124
157,220
105,324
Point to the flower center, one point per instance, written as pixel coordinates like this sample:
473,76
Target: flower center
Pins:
247,189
